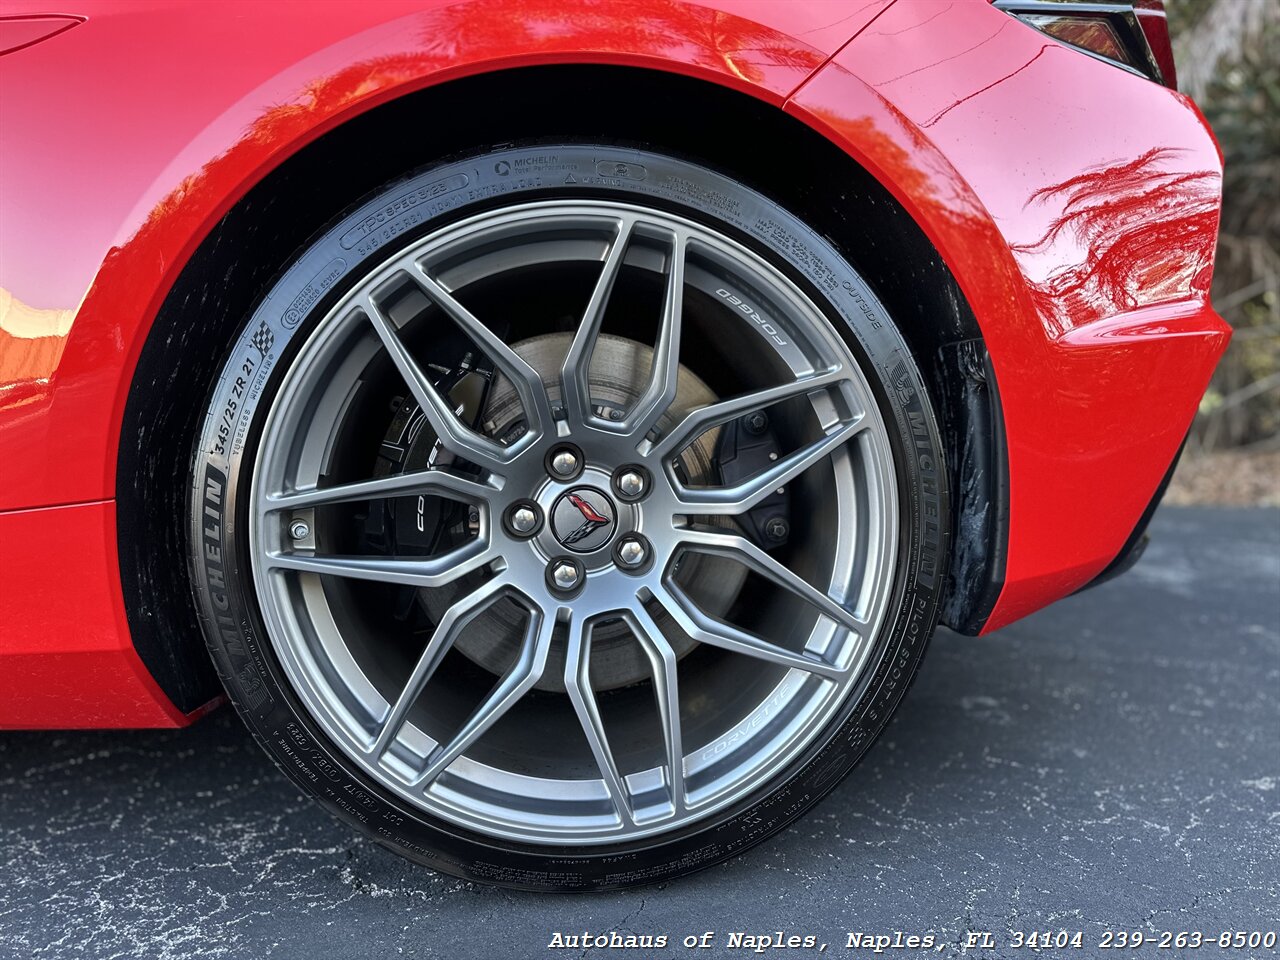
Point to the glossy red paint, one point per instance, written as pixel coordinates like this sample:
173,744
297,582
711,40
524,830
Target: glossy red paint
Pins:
239,95
1077,206
1027,164
91,239
19,32
66,659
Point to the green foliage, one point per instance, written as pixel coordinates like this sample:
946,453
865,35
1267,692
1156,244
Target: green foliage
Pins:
1236,83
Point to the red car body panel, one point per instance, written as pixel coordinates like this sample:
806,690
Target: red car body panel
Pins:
66,659
1076,205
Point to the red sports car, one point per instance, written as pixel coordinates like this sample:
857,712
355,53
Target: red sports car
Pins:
557,427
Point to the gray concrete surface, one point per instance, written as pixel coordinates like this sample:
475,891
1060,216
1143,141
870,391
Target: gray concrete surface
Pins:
1110,763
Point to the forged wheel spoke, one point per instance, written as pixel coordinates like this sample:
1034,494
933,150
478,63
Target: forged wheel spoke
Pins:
715,633
666,688
698,421
577,523
456,437
411,571
431,482
577,683
454,621
741,497
527,381
663,376
747,553
517,681
575,389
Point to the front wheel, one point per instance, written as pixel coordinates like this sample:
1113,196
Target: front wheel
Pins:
568,517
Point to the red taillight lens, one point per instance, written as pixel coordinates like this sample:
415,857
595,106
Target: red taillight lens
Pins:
1096,36
1132,34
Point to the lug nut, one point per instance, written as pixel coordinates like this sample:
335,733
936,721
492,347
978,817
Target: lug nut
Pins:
564,463
756,422
299,530
523,520
631,483
631,553
565,574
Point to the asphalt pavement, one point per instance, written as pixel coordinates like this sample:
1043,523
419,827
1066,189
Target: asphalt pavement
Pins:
1108,764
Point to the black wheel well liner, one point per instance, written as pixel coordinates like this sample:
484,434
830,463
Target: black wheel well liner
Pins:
715,126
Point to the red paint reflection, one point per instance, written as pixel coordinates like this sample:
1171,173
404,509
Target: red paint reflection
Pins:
1123,236
31,342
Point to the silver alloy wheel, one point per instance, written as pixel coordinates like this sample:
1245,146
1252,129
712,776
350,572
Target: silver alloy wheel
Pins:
697,737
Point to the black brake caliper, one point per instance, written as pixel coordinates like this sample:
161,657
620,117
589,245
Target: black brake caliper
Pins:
423,525
746,447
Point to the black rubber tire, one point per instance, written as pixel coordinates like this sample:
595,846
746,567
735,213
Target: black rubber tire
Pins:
404,210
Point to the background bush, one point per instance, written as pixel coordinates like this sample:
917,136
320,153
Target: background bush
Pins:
1228,56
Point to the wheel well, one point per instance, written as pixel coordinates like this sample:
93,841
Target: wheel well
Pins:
707,123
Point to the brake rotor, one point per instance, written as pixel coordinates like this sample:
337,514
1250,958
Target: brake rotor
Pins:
618,375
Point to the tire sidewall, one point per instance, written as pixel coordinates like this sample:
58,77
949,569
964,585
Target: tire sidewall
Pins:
225,452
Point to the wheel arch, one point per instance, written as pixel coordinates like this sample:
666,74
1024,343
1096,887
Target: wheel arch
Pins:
229,267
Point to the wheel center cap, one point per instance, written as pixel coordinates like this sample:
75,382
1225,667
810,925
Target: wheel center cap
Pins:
583,519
